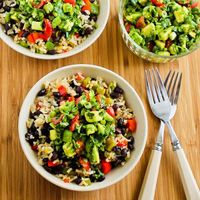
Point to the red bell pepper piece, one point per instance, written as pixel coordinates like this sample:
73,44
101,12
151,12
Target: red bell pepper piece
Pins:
42,3
122,143
140,22
111,112
81,146
105,166
74,121
48,30
77,100
73,2
85,164
71,99
131,124
34,147
87,6
157,3
62,90
52,164
57,121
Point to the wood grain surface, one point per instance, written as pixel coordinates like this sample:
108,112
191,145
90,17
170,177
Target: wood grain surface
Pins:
18,73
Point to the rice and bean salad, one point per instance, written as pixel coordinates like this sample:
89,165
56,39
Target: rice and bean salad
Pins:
80,128
49,26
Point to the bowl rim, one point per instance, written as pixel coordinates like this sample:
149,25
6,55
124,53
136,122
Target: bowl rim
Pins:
120,17
35,165
27,52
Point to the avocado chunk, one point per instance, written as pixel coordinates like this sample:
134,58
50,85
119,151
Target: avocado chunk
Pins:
68,25
48,7
133,17
137,37
164,35
67,136
148,30
14,16
101,128
142,2
90,129
173,49
160,44
163,53
93,116
36,26
49,45
95,156
180,14
56,22
110,143
69,150
107,117
185,28
68,8
53,135
94,9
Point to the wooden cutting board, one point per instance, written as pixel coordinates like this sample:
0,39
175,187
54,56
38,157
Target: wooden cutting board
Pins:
18,73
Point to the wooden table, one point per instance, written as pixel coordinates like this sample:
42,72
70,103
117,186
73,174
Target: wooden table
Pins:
18,73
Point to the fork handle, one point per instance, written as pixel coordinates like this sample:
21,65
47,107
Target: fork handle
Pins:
150,179
189,183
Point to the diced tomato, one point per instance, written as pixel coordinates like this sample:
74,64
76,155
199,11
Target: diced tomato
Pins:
62,90
42,2
122,143
85,163
98,98
157,3
79,76
77,100
34,147
32,37
140,22
71,99
151,45
105,166
48,30
77,35
87,6
52,164
168,43
74,121
131,125
81,146
128,27
57,121
73,2
66,180
111,111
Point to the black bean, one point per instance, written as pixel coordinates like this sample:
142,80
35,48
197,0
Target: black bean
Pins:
72,84
93,17
93,79
120,122
54,156
132,139
42,92
7,27
47,140
92,178
101,178
116,163
104,107
84,13
45,160
57,94
124,153
117,150
118,90
31,115
131,146
49,169
88,31
32,129
52,52
37,113
118,131
79,90
115,95
45,129
123,130
92,1
25,33
78,180
1,4
7,8
29,138
115,107
58,169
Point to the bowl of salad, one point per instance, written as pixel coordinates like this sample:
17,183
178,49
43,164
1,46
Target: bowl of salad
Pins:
82,127
160,30
52,29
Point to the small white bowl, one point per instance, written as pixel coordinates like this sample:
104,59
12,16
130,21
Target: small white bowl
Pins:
133,101
101,22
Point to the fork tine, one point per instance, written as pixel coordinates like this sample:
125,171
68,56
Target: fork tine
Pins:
170,83
157,87
155,97
162,87
178,89
172,95
167,78
149,94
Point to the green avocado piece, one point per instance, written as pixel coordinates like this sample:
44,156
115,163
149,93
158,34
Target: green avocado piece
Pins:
36,26
137,37
67,136
68,25
56,22
173,49
23,44
53,135
133,17
90,129
95,156
49,45
69,150
185,28
101,128
48,7
93,116
68,8
14,16
94,9
148,30
180,14
110,143
164,35
163,53
107,117
160,44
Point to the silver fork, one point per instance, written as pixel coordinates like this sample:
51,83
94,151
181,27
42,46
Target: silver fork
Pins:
161,107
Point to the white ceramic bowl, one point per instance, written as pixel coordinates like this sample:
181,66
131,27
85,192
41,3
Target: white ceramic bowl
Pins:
101,22
133,101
